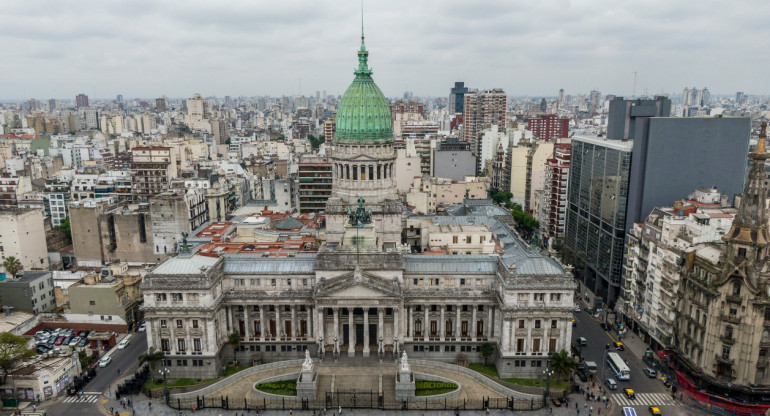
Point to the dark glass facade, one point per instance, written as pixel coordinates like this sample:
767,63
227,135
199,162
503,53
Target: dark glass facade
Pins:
596,212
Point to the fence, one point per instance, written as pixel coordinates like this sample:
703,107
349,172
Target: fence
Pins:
706,405
359,400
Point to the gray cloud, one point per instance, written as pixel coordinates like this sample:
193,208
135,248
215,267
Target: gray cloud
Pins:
151,48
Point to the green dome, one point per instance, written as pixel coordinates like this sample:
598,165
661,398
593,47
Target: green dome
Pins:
363,113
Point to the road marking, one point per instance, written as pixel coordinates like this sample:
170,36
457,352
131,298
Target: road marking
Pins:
82,399
646,399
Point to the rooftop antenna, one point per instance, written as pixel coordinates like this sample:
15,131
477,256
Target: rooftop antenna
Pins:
633,94
362,21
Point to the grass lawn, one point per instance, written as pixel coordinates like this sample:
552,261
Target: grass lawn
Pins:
184,382
491,371
283,388
232,370
432,392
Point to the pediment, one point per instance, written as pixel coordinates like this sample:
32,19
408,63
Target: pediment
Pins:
357,285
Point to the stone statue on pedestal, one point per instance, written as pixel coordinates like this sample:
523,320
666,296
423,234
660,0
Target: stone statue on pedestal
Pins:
404,362
308,364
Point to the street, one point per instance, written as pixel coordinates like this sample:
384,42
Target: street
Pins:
649,391
90,404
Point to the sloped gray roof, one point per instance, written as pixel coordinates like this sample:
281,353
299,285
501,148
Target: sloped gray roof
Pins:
445,263
185,265
257,264
289,223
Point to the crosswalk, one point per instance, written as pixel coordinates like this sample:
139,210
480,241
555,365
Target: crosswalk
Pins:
87,398
645,399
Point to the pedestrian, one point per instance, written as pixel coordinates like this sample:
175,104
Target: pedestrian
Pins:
599,411
112,410
578,412
576,406
423,413
149,405
291,412
339,412
34,408
324,411
585,405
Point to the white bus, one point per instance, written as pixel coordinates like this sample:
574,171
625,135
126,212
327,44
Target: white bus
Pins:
618,367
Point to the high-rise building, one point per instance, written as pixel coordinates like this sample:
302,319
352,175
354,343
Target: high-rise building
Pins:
483,109
457,98
595,98
51,105
739,97
553,208
616,183
120,98
315,183
81,100
152,168
548,126
696,97
160,105
561,98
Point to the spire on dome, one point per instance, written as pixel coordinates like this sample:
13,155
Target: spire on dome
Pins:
762,136
363,55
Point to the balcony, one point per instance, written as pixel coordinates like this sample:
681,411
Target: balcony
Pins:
762,362
724,359
734,298
730,318
727,340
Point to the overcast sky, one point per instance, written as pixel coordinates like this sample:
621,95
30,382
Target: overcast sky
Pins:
152,48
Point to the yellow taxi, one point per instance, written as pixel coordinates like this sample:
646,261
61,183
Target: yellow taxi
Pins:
574,322
655,411
630,393
619,346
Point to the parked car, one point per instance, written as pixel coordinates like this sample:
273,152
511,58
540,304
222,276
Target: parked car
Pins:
74,341
582,341
83,342
42,349
123,344
589,309
82,334
611,384
630,393
105,361
59,340
577,308
142,327
67,340
650,372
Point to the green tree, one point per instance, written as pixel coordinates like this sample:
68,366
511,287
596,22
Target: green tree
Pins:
12,265
12,349
151,357
235,341
561,363
315,142
487,350
65,226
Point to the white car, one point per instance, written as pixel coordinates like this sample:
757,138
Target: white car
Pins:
142,327
123,344
105,361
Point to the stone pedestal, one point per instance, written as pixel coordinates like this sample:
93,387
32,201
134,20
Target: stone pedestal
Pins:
404,385
307,384
404,380
362,236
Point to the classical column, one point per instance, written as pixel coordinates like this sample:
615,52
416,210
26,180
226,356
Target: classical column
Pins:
366,332
247,333
336,330
425,327
396,317
351,334
381,323
311,323
262,326
229,312
410,321
473,322
506,341
294,331
442,324
458,334
278,324
488,330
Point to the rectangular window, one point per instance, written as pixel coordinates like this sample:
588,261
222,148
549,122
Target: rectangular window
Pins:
163,323
180,345
93,302
537,324
164,345
197,344
178,323
176,297
520,345
536,345
195,323
521,324
553,323
160,297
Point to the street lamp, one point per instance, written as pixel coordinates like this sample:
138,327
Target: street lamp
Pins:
381,350
547,392
165,372
321,349
336,350
395,348
604,362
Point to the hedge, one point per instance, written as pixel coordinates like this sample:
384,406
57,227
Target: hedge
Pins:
433,385
287,385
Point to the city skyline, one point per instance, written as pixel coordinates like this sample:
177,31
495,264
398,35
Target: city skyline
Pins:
178,48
